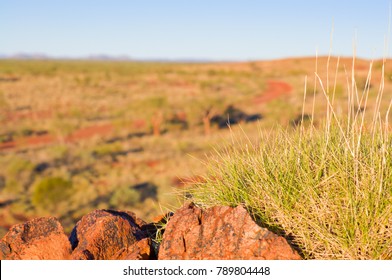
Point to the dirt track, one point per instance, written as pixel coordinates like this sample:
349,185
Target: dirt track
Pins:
45,139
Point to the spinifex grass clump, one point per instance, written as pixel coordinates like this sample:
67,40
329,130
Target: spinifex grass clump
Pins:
328,189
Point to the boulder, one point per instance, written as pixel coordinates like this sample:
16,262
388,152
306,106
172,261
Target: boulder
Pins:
108,234
220,232
38,239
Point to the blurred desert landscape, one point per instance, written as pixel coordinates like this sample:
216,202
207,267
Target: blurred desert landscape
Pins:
79,135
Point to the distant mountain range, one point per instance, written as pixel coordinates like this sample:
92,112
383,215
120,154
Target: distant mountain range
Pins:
25,56
42,56
97,57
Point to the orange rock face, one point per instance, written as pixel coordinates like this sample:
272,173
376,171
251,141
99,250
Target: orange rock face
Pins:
106,234
38,239
220,232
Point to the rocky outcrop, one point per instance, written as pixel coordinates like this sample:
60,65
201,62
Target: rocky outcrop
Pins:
106,234
220,232
38,239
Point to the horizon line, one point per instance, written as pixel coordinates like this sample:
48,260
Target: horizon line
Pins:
126,58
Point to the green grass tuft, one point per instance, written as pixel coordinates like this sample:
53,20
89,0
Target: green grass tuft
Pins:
328,190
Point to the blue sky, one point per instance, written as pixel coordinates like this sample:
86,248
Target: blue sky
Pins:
193,29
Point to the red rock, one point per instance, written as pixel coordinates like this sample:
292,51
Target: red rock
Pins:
220,232
38,239
141,250
107,234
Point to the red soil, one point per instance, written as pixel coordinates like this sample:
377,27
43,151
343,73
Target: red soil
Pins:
45,139
7,145
37,115
152,163
36,140
88,132
274,90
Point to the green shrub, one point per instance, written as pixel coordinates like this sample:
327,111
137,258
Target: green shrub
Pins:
124,197
51,194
